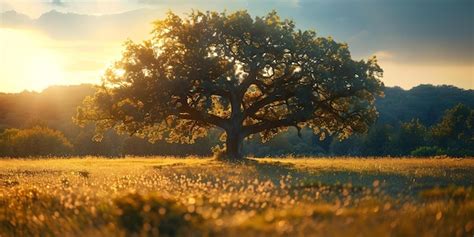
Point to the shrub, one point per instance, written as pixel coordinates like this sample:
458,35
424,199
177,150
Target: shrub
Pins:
428,151
460,152
35,141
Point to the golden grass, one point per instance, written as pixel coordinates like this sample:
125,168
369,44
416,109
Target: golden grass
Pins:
273,197
406,166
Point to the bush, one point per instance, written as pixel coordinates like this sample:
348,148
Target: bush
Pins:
436,151
460,152
36,141
428,151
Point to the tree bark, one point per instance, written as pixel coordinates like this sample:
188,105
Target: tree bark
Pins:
234,143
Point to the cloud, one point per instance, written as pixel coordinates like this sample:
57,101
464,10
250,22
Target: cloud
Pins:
414,41
27,7
439,32
70,26
57,2
14,19
5,6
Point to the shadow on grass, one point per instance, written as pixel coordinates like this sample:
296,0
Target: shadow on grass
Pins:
392,184
335,181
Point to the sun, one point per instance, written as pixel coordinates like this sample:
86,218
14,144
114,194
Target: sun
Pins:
27,62
43,70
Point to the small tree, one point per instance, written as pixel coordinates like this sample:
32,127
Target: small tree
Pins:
246,76
456,129
412,135
6,149
378,140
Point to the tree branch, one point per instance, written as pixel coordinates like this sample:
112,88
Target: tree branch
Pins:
188,112
267,125
255,107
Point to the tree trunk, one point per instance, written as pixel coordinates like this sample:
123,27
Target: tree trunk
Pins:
235,137
234,143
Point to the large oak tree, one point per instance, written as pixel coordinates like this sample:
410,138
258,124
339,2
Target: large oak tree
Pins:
241,74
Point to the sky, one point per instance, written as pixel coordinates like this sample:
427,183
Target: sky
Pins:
44,43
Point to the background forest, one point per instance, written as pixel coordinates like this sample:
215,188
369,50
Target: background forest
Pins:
423,121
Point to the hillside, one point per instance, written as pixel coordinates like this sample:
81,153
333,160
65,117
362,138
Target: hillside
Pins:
426,102
55,106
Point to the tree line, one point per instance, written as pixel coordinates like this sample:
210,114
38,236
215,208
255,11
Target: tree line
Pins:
452,136
426,120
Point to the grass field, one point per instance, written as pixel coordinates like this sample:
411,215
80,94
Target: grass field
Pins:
264,197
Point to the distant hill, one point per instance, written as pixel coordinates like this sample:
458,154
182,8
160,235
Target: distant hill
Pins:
55,106
426,102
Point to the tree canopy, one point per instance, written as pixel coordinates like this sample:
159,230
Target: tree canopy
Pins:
456,129
241,74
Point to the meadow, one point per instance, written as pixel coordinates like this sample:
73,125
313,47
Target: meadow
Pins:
167,196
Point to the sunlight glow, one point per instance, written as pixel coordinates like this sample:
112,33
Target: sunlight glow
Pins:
30,60
408,75
25,63
43,71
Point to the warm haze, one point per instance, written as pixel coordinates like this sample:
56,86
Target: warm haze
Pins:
64,42
237,118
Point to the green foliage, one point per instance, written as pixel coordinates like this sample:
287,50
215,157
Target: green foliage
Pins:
424,102
286,143
411,135
246,76
378,140
460,152
456,129
426,151
35,141
452,136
